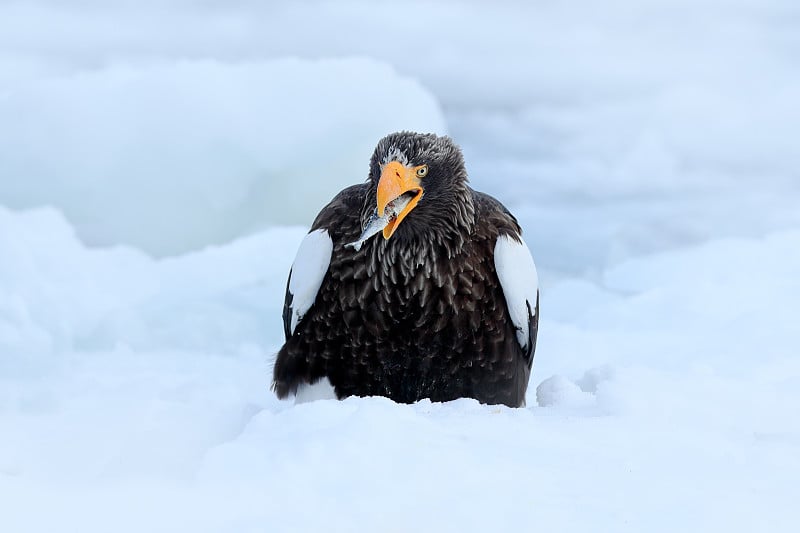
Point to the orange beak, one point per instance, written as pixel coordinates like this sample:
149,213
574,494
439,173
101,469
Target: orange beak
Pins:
396,180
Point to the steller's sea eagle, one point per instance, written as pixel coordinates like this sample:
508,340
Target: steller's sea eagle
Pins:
443,304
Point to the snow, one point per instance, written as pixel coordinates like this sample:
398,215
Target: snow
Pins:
147,152
134,395
209,151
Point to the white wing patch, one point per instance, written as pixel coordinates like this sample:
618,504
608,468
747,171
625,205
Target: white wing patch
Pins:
519,280
308,270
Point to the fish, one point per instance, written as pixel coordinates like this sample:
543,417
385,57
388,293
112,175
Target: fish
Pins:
375,224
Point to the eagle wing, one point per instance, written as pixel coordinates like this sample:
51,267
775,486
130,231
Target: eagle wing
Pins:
305,277
520,283
336,221
515,270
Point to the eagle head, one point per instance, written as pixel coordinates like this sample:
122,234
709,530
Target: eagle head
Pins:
426,174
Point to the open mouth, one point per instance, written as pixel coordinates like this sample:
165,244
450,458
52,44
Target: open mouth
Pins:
397,207
399,191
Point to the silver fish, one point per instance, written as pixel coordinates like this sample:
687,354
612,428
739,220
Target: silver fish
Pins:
375,224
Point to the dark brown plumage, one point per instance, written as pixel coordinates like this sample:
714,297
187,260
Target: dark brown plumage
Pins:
421,314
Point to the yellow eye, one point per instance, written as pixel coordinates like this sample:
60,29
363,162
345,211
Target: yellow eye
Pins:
422,171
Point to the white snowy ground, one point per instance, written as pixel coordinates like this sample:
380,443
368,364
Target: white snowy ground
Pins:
147,161
133,397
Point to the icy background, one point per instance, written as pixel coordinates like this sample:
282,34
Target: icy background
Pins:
159,166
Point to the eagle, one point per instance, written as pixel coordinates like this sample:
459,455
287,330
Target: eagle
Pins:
442,303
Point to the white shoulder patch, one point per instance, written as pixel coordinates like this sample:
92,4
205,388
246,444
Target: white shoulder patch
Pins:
308,270
321,390
519,280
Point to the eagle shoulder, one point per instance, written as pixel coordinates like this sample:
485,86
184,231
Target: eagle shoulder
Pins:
313,258
515,268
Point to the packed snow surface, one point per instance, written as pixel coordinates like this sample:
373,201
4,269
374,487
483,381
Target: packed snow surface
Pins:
161,164
133,396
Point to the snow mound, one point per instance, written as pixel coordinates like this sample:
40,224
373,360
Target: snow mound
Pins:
57,296
558,390
170,158
126,378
